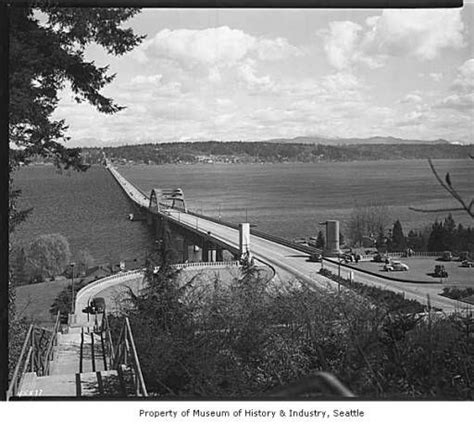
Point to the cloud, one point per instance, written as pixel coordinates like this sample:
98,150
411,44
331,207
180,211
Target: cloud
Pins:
219,56
436,76
422,34
220,46
462,87
248,75
340,43
464,81
413,118
411,98
463,103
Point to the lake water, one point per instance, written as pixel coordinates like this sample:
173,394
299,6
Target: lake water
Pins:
288,200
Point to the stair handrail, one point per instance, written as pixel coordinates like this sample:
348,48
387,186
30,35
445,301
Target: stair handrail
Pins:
17,376
52,342
105,328
126,353
140,383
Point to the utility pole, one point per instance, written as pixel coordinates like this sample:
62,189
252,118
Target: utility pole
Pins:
72,264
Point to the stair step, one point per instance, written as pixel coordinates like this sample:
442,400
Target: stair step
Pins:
90,384
51,385
78,369
27,384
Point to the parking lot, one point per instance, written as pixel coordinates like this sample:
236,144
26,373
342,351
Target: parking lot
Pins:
421,268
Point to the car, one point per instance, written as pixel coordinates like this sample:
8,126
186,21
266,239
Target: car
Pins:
464,256
467,264
440,271
380,258
396,266
446,256
315,257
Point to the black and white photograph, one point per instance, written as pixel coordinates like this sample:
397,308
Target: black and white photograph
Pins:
237,204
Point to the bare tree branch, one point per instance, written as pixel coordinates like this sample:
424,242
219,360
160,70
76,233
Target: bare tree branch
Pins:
447,185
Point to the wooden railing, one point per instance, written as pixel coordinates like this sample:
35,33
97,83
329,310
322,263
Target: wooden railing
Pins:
53,341
124,353
36,354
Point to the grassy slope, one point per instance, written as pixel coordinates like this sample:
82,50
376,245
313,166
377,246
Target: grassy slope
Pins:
33,301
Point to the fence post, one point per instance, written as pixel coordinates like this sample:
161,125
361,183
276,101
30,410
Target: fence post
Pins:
125,339
32,365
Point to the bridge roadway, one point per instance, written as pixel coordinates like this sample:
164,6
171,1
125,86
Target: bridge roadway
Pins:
288,262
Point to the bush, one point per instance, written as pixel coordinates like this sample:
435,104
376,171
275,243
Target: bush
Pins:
247,337
457,293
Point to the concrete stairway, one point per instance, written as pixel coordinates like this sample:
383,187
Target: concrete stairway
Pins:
79,369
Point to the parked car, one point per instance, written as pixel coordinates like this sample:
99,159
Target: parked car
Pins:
380,258
446,256
467,264
395,266
440,271
315,257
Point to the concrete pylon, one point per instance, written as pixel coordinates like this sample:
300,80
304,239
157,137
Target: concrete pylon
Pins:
332,238
244,240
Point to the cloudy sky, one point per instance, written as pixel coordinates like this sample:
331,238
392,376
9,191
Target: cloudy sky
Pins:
260,74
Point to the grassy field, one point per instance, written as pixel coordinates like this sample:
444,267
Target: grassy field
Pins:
34,300
421,268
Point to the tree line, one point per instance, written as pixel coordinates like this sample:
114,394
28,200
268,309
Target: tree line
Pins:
162,153
368,225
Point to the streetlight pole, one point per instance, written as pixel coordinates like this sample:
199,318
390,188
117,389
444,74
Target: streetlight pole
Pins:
72,264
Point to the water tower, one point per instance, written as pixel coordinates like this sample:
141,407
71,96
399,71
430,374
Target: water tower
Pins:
332,238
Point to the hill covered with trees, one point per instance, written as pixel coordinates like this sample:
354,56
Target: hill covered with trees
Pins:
247,152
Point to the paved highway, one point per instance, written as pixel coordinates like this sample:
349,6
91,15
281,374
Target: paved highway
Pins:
291,262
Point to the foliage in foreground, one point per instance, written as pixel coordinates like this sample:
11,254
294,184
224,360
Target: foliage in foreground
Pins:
246,338
385,298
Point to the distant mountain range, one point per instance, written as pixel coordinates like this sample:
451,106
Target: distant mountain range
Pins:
328,141
345,141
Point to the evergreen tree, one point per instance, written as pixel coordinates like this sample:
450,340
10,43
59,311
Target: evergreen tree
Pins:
398,238
381,241
46,53
320,240
449,233
436,241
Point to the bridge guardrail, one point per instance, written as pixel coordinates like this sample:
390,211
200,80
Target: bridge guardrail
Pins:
223,264
306,249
